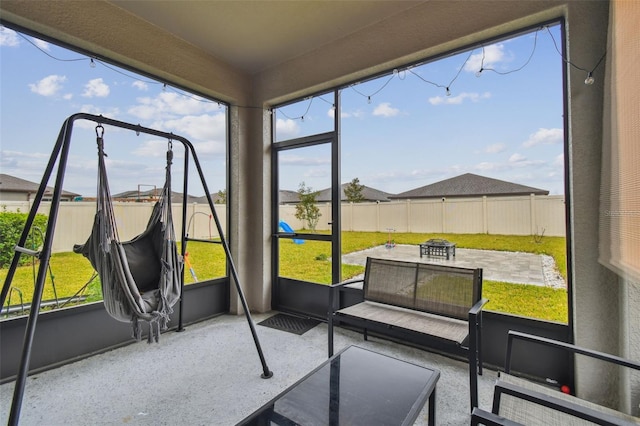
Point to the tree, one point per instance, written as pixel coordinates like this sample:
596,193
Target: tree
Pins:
353,191
222,197
306,209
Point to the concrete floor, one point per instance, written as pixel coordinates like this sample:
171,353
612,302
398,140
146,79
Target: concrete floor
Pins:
210,375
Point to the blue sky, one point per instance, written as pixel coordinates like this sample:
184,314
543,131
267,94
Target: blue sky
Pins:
399,131
40,92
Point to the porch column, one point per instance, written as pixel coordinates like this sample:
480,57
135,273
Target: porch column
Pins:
249,200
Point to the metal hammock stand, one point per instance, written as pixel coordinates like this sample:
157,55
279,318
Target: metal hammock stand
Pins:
60,155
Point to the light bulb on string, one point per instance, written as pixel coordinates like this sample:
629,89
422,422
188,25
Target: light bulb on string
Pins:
369,99
164,87
448,92
92,64
589,80
479,73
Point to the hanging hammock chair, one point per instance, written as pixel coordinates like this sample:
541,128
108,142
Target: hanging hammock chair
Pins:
141,278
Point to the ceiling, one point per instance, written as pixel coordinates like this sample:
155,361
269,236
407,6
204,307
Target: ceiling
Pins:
255,35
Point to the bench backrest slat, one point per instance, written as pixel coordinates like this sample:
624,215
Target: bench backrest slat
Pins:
438,289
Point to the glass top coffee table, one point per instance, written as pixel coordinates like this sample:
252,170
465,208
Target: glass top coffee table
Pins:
356,386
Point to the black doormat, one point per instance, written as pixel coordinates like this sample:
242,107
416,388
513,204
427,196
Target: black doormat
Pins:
290,323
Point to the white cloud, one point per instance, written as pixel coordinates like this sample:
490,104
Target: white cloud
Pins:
544,137
385,110
96,88
457,100
495,148
487,58
517,158
152,148
298,160
9,37
169,105
346,114
41,44
286,128
140,85
48,86
559,161
199,127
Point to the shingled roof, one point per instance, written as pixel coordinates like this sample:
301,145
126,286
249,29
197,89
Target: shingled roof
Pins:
10,183
469,185
369,194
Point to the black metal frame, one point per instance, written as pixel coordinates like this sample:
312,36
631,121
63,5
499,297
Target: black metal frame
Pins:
60,155
473,350
542,399
333,138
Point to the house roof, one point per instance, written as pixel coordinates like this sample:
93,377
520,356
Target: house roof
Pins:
176,197
10,183
369,194
288,196
469,185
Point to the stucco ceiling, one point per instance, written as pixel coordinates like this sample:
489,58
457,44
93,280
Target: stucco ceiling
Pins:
258,34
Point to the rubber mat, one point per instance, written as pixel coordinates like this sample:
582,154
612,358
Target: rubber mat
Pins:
290,323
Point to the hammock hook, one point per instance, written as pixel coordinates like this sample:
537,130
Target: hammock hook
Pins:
170,152
99,131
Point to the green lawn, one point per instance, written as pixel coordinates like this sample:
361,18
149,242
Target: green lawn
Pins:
311,260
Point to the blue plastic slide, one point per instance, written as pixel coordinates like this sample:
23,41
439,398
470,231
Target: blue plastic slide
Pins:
286,228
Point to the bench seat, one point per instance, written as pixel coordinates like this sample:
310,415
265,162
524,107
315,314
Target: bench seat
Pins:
421,322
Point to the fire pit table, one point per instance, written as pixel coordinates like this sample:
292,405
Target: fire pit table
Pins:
438,247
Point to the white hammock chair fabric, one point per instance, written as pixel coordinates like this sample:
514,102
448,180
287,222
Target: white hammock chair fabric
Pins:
141,278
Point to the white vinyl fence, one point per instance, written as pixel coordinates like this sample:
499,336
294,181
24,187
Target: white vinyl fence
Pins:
526,215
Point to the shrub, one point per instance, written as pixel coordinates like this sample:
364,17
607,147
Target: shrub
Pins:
11,226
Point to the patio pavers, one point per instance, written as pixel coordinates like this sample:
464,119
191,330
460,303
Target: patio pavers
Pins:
513,267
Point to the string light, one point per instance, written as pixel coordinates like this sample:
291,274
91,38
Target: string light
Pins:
301,117
589,80
377,91
92,64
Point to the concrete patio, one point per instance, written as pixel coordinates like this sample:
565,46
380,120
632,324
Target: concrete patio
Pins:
513,267
210,375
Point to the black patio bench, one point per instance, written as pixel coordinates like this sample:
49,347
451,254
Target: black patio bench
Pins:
418,303
518,400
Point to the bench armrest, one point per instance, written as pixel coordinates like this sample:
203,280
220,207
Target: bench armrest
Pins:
516,335
475,309
344,283
481,417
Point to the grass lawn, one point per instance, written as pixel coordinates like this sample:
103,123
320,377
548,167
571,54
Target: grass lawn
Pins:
311,261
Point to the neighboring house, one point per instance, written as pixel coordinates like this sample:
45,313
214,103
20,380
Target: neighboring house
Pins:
288,197
369,194
15,189
152,195
203,200
324,195
469,185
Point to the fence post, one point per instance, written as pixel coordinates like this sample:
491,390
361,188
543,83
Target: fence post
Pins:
485,215
532,207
